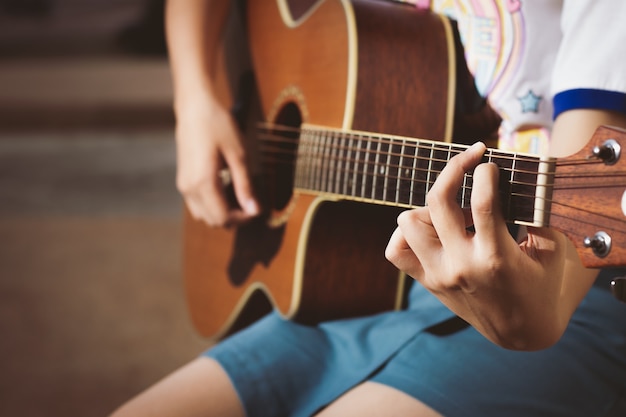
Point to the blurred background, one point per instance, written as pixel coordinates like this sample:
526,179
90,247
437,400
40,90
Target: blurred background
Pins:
92,308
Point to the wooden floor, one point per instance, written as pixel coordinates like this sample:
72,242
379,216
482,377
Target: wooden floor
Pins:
91,299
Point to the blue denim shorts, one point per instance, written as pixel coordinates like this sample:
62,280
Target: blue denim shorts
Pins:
280,368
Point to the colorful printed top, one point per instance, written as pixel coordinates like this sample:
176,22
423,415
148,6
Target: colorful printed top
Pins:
532,68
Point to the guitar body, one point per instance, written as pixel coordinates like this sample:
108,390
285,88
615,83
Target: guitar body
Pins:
364,65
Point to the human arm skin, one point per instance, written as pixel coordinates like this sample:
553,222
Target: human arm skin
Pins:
206,136
519,295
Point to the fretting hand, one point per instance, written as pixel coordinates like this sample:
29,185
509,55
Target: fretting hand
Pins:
507,290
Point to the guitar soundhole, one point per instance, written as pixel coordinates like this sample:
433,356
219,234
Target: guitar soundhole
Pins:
280,155
258,241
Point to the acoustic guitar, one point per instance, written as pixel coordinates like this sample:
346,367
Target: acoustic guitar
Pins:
329,74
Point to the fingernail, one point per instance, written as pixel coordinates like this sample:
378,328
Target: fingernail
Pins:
251,207
477,145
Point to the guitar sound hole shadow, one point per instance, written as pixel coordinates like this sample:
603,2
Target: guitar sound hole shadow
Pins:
255,242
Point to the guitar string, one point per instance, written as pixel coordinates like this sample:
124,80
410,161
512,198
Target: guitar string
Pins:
291,160
350,172
443,146
403,200
278,152
433,146
389,140
396,178
388,155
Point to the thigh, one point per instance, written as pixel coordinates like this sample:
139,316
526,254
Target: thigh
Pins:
282,368
200,388
462,373
371,399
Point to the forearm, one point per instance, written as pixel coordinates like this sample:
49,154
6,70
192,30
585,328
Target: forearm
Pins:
206,135
193,29
572,130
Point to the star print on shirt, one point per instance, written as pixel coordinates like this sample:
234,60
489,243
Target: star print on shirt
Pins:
530,102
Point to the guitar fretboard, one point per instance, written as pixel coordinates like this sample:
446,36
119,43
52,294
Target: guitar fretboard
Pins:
399,171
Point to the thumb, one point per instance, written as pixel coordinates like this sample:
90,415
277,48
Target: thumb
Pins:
243,187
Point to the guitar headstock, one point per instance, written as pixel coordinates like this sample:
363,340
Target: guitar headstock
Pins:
588,202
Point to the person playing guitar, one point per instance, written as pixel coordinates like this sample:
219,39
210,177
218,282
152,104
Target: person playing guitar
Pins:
493,323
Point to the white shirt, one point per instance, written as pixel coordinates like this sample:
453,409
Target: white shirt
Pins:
524,52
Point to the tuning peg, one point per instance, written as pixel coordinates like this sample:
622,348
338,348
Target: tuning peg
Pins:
618,288
600,243
609,152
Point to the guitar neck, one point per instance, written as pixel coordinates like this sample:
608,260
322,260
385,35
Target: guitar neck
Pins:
399,171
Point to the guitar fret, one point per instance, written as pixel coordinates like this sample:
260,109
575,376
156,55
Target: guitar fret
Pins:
406,172
339,163
334,163
321,151
431,158
375,171
366,159
313,162
522,190
308,161
400,165
298,161
304,153
421,174
512,181
359,177
414,166
302,157
441,156
386,173
346,164
330,166
355,169
346,177
462,195
393,172
325,162
317,159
